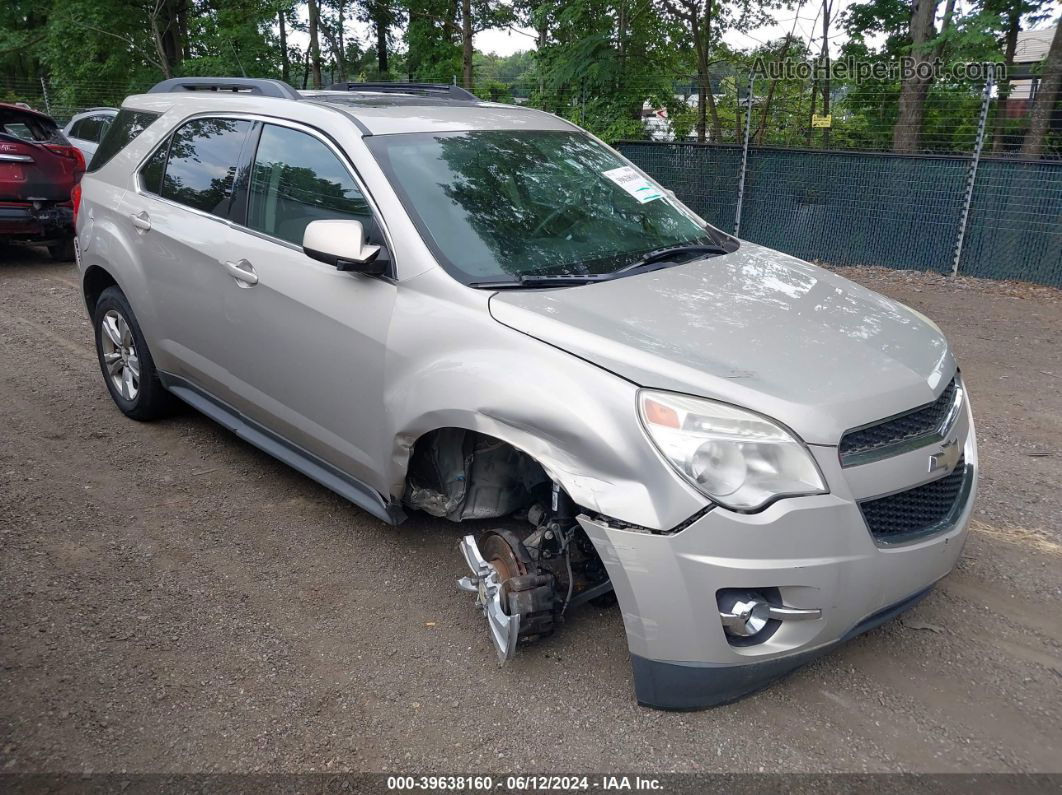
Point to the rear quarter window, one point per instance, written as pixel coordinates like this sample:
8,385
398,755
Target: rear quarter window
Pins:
127,125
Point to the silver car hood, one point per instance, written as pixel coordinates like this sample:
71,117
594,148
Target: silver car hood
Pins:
754,328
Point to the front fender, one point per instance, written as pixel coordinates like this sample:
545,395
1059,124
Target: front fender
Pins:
452,365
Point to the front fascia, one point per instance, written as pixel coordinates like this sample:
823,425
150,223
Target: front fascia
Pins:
816,550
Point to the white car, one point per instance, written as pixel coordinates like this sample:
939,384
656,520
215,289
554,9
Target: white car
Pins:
85,130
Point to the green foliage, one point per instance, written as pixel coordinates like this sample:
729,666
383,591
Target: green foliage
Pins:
598,62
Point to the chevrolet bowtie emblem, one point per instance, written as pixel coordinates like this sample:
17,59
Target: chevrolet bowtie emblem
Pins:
947,458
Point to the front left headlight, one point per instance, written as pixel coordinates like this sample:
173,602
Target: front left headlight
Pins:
739,459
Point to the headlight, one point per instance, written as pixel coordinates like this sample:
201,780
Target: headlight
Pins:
739,459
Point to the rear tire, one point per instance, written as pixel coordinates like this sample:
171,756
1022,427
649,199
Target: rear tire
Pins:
63,251
125,361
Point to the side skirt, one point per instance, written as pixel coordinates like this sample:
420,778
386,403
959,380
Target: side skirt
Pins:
295,457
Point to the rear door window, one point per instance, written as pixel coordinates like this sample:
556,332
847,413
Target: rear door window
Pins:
127,125
91,128
203,158
297,179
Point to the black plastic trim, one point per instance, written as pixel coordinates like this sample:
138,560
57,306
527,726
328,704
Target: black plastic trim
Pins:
439,90
280,448
690,686
250,85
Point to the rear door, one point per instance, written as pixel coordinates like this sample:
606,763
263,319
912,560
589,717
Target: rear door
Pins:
179,224
306,343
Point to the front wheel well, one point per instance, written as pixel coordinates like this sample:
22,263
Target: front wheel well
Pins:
462,474
96,280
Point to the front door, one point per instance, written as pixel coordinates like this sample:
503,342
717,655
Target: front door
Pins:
306,343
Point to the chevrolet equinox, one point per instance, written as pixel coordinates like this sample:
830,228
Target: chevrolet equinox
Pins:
480,311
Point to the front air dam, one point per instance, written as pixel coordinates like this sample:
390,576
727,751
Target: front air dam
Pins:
690,686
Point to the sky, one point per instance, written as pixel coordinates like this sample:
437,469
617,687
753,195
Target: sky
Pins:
805,22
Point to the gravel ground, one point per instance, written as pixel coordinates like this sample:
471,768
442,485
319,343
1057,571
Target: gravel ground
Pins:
173,600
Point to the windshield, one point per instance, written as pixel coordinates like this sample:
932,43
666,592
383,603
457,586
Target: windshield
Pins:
502,204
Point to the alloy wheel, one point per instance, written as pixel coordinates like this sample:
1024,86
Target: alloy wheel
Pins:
119,354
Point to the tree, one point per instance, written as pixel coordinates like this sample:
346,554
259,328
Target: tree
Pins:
603,60
705,21
382,16
314,12
431,40
925,48
1047,96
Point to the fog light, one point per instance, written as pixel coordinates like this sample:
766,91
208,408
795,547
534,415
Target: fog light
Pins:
743,613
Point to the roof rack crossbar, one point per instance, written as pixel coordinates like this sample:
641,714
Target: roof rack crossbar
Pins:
428,89
250,85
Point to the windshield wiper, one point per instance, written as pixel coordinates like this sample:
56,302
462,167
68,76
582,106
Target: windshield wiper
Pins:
549,280
669,254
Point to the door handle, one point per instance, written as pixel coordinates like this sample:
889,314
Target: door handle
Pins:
141,221
242,272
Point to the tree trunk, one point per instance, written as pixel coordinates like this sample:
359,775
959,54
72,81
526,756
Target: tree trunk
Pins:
380,23
1047,95
1013,26
285,65
165,32
706,108
713,111
315,42
341,56
542,38
703,81
779,59
827,5
907,134
182,30
811,112
336,46
466,42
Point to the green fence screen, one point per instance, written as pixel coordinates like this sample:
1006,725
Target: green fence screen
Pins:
861,208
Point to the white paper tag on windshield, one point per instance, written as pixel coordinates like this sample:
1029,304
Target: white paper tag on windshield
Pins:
634,183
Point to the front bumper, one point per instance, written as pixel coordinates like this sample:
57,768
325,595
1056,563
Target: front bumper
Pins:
816,551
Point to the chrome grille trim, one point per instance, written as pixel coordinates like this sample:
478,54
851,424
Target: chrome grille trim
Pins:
853,453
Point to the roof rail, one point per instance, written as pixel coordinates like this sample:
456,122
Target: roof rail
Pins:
249,85
442,90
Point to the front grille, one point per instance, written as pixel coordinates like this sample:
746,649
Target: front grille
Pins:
916,512
923,421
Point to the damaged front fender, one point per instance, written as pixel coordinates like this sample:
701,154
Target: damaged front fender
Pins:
574,419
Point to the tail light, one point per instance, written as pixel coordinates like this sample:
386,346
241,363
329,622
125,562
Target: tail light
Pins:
72,153
75,200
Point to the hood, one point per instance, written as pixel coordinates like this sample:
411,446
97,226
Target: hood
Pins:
755,328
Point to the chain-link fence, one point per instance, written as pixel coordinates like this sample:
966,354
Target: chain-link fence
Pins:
854,187
843,183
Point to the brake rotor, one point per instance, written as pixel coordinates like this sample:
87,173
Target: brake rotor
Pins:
505,553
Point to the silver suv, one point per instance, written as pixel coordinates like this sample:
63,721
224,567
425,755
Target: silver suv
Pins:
479,311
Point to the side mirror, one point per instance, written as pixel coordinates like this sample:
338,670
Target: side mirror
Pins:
341,244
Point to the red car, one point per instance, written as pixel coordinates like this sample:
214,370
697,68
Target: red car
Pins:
38,171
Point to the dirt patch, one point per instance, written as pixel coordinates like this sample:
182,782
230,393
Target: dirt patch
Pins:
173,600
